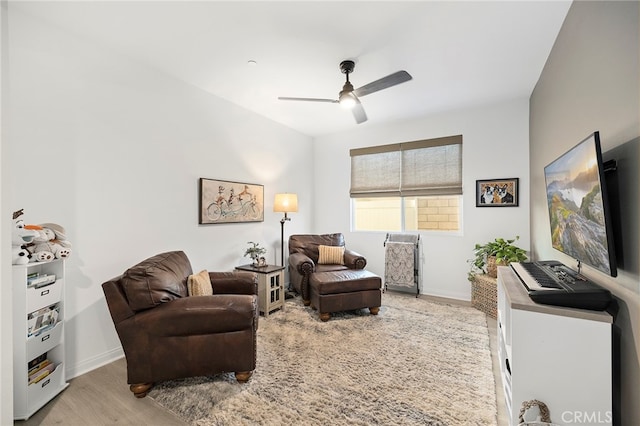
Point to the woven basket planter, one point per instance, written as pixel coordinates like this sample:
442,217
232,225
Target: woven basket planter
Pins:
492,267
484,294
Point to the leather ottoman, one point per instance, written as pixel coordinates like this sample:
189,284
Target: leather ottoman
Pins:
335,291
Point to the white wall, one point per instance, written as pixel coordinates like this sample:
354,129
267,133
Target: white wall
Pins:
590,82
495,145
6,312
113,150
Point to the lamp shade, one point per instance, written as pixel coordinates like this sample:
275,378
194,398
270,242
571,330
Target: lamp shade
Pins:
286,203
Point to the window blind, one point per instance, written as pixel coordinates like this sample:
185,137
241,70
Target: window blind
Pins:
418,168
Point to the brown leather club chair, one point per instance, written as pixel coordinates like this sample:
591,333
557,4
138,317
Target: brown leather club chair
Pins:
304,255
166,334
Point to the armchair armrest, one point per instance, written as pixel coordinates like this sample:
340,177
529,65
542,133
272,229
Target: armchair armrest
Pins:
116,301
236,282
301,263
354,260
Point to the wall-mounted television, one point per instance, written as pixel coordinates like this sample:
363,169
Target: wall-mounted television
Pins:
579,212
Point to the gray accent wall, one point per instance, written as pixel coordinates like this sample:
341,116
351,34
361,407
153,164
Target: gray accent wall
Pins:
591,82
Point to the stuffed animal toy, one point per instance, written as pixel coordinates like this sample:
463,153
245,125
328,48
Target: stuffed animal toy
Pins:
37,243
20,255
21,236
60,235
41,250
51,243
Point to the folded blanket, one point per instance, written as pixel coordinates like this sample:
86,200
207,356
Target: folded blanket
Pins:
399,264
403,238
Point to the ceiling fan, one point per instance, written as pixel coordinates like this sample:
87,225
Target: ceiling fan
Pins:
349,98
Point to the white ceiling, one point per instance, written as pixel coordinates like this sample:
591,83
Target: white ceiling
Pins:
460,54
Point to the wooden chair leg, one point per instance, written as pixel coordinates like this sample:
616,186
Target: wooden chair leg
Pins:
243,376
140,389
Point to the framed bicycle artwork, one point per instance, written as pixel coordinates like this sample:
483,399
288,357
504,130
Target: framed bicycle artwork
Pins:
224,201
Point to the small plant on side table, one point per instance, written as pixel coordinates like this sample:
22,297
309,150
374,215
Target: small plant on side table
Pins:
254,252
502,251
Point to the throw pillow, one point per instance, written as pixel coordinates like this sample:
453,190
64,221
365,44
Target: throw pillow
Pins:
199,284
331,255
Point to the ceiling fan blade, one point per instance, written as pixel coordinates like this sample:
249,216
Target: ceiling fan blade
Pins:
358,112
284,98
383,83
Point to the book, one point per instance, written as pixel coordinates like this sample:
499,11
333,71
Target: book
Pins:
36,361
39,366
42,319
38,281
41,373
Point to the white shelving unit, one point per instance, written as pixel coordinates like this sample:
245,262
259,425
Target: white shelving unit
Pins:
33,339
560,356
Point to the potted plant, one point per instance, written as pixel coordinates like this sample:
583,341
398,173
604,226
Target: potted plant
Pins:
493,253
254,251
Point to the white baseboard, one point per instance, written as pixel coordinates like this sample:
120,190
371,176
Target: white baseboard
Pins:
93,363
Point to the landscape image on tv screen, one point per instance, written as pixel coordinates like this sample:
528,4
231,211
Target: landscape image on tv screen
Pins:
577,206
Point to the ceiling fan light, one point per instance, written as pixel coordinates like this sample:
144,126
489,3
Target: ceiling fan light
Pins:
347,100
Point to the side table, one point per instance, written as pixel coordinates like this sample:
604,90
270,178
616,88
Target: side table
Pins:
270,286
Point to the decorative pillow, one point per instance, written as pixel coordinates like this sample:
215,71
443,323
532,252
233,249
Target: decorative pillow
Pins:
199,284
331,255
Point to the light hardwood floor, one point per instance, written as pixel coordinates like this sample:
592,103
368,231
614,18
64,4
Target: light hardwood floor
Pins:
102,397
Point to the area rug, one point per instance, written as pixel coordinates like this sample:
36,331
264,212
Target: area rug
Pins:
417,362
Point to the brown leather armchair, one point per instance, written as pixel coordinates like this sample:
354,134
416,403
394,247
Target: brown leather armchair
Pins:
303,260
166,334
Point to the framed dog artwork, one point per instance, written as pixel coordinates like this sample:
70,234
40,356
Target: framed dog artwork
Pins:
497,192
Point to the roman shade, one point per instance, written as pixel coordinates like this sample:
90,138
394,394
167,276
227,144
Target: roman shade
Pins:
420,168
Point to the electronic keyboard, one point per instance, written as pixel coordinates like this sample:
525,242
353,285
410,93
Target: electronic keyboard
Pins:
552,283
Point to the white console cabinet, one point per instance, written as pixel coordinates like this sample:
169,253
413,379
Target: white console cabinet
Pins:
559,356
38,336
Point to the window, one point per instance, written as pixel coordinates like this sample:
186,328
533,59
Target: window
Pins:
408,186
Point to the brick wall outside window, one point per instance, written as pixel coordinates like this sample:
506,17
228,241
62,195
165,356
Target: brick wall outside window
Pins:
441,213
438,213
